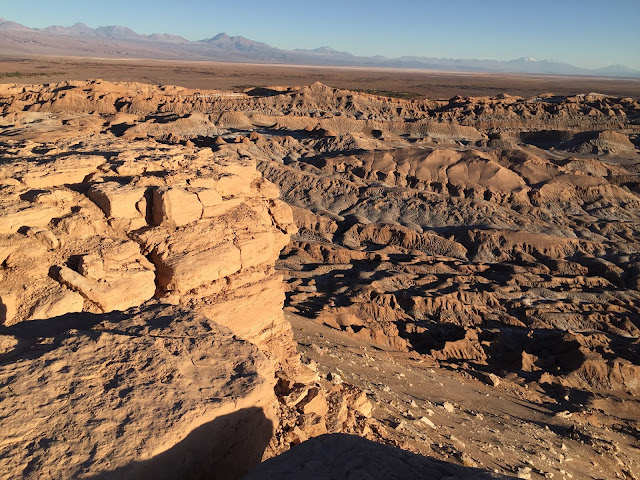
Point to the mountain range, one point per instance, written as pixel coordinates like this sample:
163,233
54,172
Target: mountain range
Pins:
122,42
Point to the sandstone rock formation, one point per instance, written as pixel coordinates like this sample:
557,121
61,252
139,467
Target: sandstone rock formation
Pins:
98,234
157,392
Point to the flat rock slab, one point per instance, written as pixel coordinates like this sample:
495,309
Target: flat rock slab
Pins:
154,392
336,456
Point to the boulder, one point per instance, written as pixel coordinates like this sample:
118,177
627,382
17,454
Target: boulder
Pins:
45,236
58,302
175,206
117,201
119,294
194,265
115,278
24,214
314,402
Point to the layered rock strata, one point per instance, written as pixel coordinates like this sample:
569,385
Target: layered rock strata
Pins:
96,233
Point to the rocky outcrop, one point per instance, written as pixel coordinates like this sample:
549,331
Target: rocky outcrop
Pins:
155,392
320,107
108,234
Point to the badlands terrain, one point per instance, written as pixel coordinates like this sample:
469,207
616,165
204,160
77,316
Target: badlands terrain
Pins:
339,283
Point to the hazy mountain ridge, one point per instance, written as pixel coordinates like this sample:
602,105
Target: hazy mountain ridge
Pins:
121,41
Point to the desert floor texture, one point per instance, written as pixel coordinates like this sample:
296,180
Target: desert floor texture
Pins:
395,276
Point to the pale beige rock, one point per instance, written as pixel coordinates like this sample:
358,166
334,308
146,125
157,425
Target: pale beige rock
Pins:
8,307
257,250
26,256
448,406
153,393
189,269
115,278
54,196
297,394
282,216
117,201
8,344
428,422
8,244
232,185
268,190
82,227
47,237
490,379
58,302
315,402
236,177
131,290
223,207
175,206
310,425
61,171
361,404
26,215
254,312
204,181
208,197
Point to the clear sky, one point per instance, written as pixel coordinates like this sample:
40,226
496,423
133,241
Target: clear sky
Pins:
588,33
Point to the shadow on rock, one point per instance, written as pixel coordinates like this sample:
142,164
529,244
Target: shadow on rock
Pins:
340,456
224,449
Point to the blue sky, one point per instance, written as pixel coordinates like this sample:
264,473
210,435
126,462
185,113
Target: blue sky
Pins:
586,33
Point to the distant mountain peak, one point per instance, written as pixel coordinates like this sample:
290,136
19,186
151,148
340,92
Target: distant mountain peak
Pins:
119,40
224,36
527,60
228,42
325,49
77,28
9,25
117,31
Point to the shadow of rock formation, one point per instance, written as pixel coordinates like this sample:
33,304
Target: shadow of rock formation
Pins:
224,449
340,456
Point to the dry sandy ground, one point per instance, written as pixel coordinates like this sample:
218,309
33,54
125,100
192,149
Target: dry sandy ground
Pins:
237,76
440,412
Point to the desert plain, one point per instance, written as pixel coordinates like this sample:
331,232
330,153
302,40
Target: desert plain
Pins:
340,273
237,77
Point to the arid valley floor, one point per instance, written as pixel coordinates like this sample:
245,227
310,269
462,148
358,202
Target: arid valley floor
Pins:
346,273
237,77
